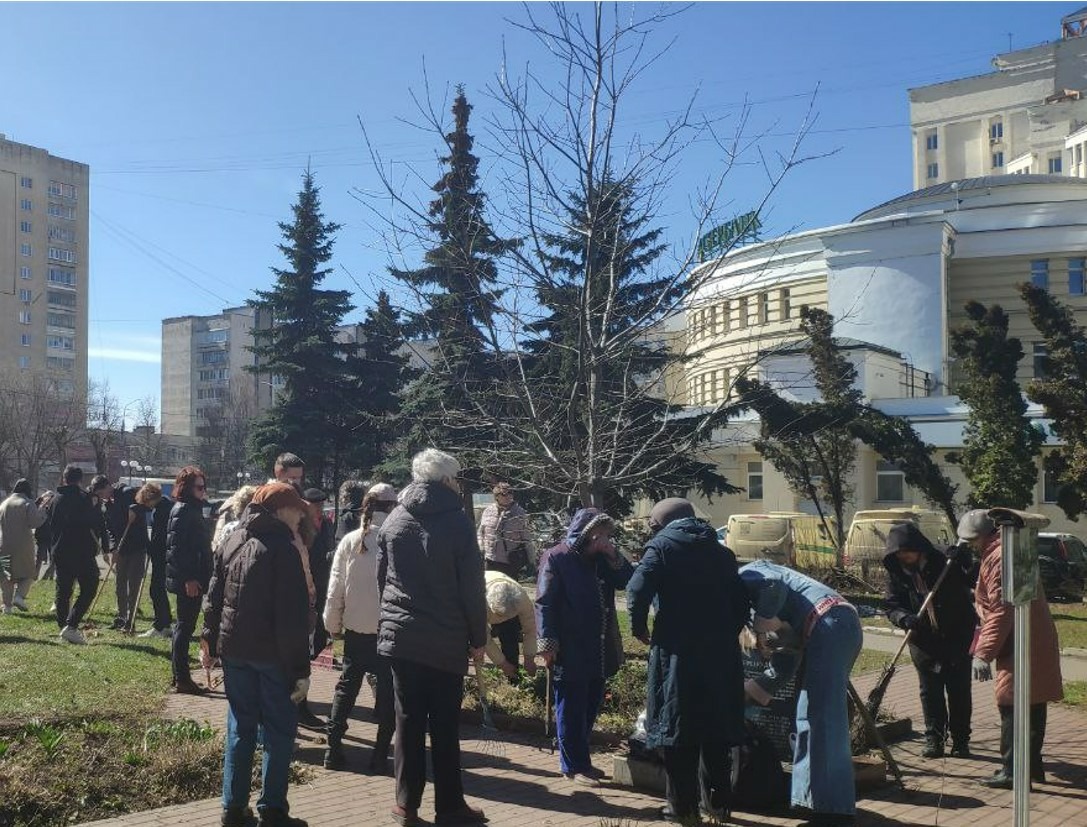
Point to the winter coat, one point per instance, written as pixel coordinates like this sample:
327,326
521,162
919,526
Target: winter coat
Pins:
75,523
348,522
188,547
503,530
353,602
160,524
798,600
19,516
496,583
321,551
257,606
944,633
575,605
133,538
430,574
995,638
116,511
695,689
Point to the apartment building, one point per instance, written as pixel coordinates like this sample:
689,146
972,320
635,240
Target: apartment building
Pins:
1027,117
204,361
44,220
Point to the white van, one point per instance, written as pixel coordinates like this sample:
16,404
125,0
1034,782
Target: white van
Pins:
784,537
866,542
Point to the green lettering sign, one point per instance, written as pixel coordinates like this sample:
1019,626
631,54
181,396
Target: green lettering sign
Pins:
743,229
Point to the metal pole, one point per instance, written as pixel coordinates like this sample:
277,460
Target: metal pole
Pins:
1021,742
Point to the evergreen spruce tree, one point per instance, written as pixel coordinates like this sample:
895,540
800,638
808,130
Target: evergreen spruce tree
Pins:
457,287
999,443
1062,391
299,346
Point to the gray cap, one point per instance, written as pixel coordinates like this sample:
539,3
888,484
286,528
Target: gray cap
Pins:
664,512
976,523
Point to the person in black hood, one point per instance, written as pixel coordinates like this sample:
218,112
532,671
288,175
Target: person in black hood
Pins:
75,530
940,643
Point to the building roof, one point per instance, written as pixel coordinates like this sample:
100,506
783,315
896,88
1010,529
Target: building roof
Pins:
986,182
841,342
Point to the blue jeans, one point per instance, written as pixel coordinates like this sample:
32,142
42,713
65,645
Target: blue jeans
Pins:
259,695
823,757
577,704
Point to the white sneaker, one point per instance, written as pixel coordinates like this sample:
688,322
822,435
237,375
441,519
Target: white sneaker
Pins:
72,635
153,632
20,604
6,610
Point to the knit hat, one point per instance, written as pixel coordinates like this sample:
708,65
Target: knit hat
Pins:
974,524
382,491
664,512
22,486
277,495
314,495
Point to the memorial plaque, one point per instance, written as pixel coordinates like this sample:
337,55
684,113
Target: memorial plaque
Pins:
776,720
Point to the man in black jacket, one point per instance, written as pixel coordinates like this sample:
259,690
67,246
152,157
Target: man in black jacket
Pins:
188,568
940,643
256,619
75,530
160,600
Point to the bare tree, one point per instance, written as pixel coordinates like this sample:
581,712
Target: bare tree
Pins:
581,404
221,451
45,418
105,422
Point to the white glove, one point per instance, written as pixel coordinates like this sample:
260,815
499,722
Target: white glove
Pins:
301,689
982,670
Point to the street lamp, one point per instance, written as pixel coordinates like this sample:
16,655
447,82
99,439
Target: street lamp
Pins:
243,475
135,469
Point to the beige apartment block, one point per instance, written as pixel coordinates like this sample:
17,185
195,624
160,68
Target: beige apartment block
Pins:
1025,117
44,220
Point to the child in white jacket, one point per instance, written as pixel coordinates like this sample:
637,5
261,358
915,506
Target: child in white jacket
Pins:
352,610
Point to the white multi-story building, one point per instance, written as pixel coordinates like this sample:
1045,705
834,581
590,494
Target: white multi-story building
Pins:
1029,116
44,209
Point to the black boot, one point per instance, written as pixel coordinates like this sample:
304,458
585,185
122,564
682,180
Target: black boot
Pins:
237,817
379,760
960,748
934,747
999,780
274,817
306,718
334,757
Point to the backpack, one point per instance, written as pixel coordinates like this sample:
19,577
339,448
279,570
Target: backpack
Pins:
759,784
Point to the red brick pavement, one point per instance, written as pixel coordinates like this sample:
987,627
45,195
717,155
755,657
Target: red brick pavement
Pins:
522,786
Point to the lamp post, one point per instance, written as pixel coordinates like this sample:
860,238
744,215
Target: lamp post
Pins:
134,468
243,477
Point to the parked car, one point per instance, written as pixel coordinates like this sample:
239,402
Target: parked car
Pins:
866,542
787,538
1062,565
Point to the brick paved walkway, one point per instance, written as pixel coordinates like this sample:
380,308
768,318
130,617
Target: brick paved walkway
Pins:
522,786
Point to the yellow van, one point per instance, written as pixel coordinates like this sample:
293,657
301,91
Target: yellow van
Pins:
784,537
866,542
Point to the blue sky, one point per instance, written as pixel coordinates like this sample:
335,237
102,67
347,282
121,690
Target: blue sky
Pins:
198,118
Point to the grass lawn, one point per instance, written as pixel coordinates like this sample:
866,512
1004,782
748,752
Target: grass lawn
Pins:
44,677
1071,620
1075,693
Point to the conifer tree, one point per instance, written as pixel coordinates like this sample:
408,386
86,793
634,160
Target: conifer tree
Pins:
299,346
999,442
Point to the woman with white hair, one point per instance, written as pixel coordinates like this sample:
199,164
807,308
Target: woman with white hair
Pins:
351,610
433,618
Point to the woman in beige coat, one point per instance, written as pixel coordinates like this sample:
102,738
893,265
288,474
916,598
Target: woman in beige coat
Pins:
19,516
994,642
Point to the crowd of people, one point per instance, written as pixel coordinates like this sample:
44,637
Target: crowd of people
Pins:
417,593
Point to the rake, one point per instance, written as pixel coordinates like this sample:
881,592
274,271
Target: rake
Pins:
488,742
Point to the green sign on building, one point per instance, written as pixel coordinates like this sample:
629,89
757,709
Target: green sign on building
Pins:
743,229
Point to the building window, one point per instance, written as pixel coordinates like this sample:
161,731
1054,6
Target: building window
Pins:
60,299
64,320
1056,164
26,183
24,339
996,130
998,160
24,295
786,305
754,480
24,362
64,234
741,323
26,205
931,141
26,250
213,357
1051,489
1040,360
24,317
933,171
1076,267
25,272
60,363
26,227
61,211
1039,273
58,275
726,317
890,482
763,307
57,254
60,342
60,190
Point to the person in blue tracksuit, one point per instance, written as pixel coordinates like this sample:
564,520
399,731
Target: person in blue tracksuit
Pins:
578,634
797,617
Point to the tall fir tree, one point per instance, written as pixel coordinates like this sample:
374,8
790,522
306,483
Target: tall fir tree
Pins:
999,443
595,422
1062,392
299,345
457,287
